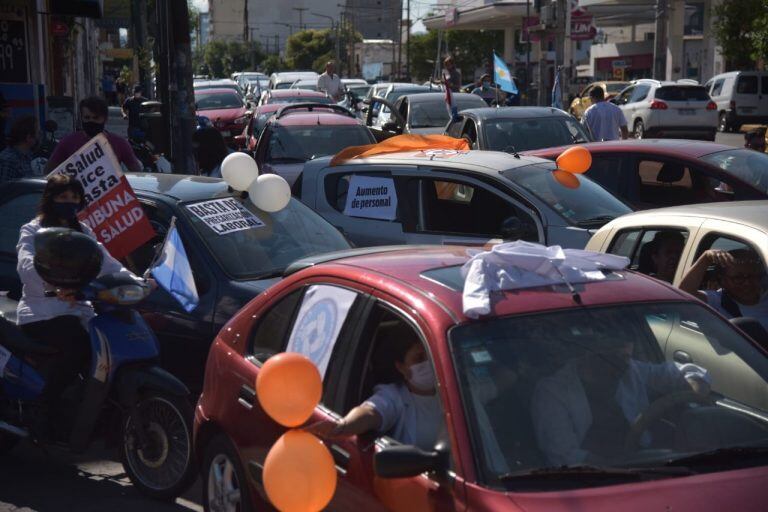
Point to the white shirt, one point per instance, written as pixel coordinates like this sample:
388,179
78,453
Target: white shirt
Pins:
757,311
34,306
330,84
407,417
605,120
562,415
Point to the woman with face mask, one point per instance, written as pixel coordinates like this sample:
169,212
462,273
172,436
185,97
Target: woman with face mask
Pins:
407,409
57,321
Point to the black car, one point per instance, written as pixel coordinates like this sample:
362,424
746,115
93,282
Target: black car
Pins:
229,269
515,129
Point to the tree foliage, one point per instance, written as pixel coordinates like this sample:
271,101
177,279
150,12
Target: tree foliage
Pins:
222,58
470,49
272,64
741,30
305,48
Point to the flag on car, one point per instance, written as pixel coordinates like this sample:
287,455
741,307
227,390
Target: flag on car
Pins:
502,77
453,112
557,93
173,273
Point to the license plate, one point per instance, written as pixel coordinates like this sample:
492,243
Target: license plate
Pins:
687,111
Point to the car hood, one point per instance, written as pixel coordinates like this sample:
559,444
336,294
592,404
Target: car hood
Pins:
225,114
742,490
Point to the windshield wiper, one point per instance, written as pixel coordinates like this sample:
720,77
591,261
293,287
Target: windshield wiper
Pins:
598,220
594,471
730,454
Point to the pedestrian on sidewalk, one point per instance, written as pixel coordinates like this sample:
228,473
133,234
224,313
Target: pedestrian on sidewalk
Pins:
604,119
16,159
93,116
132,111
330,83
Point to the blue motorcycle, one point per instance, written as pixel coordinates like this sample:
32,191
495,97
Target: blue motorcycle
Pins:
125,398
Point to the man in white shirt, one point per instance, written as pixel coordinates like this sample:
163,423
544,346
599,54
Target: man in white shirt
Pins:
330,83
604,119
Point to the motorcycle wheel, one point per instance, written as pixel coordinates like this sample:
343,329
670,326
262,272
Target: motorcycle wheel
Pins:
164,468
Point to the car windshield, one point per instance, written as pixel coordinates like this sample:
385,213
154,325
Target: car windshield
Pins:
554,400
533,133
746,164
302,143
678,93
216,101
301,99
614,88
273,241
426,114
579,200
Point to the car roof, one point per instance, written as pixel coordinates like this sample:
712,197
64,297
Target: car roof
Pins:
224,82
269,107
427,97
514,112
216,90
661,147
316,117
406,266
748,213
292,93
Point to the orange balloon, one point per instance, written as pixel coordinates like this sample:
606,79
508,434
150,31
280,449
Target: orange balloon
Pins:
299,473
289,387
576,159
566,179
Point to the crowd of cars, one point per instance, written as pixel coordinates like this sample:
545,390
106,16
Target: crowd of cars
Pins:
256,287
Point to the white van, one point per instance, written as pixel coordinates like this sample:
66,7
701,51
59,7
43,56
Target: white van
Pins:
285,79
741,98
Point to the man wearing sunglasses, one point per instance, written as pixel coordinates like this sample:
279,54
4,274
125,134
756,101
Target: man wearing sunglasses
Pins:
742,279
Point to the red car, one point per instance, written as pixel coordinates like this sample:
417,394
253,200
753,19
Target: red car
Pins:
656,173
250,136
504,433
226,110
293,96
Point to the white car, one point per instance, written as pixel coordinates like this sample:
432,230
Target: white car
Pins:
309,84
741,98
681,109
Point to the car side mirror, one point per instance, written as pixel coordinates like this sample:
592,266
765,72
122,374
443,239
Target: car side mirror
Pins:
404,461
752,328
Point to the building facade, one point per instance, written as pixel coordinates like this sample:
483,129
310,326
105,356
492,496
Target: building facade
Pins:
375,19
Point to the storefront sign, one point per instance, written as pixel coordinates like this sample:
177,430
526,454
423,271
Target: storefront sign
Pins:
372,198
13,47
225,216
112,210
451,15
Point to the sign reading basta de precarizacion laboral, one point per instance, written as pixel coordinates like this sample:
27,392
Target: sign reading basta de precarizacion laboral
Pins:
225,216
372,198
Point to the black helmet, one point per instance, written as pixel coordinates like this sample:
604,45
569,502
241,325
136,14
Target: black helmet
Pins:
66,258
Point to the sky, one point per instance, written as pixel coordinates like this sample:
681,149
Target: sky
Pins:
419,9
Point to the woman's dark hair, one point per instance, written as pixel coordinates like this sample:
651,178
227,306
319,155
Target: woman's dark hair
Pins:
57,184
96,105
210,148
22,128
393,340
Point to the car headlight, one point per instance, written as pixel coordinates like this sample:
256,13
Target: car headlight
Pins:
124,295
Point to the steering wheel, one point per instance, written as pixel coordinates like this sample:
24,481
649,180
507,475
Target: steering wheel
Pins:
656,411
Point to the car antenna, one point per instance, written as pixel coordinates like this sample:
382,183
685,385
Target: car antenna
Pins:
514,151
574,294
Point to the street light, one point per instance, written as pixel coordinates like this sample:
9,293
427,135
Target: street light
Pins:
335,28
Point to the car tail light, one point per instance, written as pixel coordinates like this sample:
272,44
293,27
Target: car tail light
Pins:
711,105
658,105
733,105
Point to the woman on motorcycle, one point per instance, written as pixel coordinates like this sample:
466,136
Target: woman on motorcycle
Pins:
57,321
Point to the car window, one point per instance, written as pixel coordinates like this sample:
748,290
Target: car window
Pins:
614,88
14,213
681,93
639,94
651,251
337,189
719,242
717,88
217,101
746,85
432,114
459,208
530,134
454,129
289,144
623,98
271,331
747,165
764,86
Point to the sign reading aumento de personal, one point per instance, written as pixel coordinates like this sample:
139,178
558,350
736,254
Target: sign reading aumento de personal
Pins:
371,197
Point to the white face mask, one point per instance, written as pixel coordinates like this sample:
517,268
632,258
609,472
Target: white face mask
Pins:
422,376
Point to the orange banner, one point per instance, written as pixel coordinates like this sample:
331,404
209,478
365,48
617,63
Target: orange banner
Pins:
401,143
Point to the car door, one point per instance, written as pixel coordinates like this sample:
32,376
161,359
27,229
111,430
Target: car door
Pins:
638,244
453,208
373,213
746,94
470,132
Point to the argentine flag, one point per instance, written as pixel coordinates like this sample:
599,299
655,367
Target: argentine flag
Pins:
502,77
173,273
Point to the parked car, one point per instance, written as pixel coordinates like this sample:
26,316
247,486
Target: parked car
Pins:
284,79
689,452
298,133
226,110
345,82
293,96
668,172
517,128
582,102
741,98
452,197
250,136
392,93
223,83
679,109
420,114
229,269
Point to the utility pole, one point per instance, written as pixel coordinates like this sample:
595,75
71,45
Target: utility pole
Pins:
399,38
408,41
528,52
246,31
301,16
266,44
277,44
659,40
139,25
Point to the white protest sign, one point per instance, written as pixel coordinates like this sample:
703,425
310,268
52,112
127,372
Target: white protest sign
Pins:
225,215
323,311
372,198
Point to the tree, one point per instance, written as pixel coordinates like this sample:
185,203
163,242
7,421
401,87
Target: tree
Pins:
741,30
305,48
470,49
222,58
272,64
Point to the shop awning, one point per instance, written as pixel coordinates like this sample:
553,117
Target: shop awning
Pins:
494,16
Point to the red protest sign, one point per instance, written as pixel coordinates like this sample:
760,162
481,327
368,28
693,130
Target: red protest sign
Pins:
112,210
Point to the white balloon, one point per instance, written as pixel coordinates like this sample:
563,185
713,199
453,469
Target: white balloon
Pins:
270,193
239,170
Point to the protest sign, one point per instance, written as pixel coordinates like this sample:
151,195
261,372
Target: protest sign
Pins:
225,215
372,198
112,210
